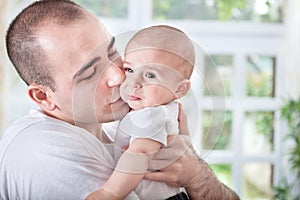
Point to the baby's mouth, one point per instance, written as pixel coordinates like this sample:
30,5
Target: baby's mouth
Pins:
133,98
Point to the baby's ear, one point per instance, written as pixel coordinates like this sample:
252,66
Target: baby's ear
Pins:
183,88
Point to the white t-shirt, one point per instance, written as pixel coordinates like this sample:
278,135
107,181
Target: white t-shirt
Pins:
152,122
45,158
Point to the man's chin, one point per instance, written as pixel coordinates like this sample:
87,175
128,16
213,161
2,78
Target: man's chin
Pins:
119,113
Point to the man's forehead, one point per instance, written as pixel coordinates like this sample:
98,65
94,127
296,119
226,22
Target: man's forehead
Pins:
76,43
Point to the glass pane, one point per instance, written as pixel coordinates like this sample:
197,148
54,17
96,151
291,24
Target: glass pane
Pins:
223,172
247,10
260,76
216,128
258,132
106,8
257,181
218,67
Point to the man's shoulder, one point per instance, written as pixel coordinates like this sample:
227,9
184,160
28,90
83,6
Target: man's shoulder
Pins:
36,134
37,130
35,120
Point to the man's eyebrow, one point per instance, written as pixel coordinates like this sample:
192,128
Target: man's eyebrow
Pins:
111,44
87,66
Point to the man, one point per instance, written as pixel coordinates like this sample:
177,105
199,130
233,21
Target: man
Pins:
73,72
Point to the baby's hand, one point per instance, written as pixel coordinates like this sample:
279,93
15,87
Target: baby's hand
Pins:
102,194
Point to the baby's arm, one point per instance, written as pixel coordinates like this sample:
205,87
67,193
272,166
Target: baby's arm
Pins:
129,171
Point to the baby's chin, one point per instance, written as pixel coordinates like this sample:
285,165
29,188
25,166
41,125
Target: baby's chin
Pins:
135,106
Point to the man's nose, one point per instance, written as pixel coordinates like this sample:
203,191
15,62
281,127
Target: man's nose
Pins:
116,75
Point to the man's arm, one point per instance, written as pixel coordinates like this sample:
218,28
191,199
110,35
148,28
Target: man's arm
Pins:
188,170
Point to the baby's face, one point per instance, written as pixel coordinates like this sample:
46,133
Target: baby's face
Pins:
151,78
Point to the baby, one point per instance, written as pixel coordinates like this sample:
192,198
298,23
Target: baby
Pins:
158,63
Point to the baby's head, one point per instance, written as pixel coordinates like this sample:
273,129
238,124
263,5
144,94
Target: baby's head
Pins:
158,63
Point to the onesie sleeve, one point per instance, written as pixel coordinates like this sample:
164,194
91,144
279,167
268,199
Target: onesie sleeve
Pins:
146,123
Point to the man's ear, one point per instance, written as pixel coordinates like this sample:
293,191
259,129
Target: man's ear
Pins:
40,95
183,88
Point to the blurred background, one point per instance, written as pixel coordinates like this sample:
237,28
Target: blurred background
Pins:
244,90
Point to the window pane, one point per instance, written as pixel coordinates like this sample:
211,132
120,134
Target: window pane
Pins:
257,181
260,76
223,172
218,74
247,10
258,132
106,8
216,130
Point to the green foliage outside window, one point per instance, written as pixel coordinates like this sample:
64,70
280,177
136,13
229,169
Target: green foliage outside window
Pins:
106,8
224,10
225,7
290,189
216,130
260,83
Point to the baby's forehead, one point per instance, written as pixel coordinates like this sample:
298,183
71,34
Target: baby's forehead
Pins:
157,52
158,59
163,52
165,46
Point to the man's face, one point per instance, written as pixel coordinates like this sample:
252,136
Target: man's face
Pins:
87,71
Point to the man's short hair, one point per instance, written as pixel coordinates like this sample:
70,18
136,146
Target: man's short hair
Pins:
22,44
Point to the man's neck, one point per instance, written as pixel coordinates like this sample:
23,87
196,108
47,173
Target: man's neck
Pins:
97,131
94,129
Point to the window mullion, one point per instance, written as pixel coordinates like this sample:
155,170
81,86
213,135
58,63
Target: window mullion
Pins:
141,12
237,142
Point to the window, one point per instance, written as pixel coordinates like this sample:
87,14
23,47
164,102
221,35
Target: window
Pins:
246,150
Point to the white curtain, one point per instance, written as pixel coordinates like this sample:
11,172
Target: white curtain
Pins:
3,59
292,49
8,78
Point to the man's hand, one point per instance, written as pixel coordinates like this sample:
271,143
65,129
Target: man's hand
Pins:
176,162
179,166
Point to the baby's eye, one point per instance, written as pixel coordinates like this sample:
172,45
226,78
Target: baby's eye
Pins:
129,70
150,75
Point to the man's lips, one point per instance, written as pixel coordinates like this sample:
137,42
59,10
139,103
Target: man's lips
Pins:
133,98
116,100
